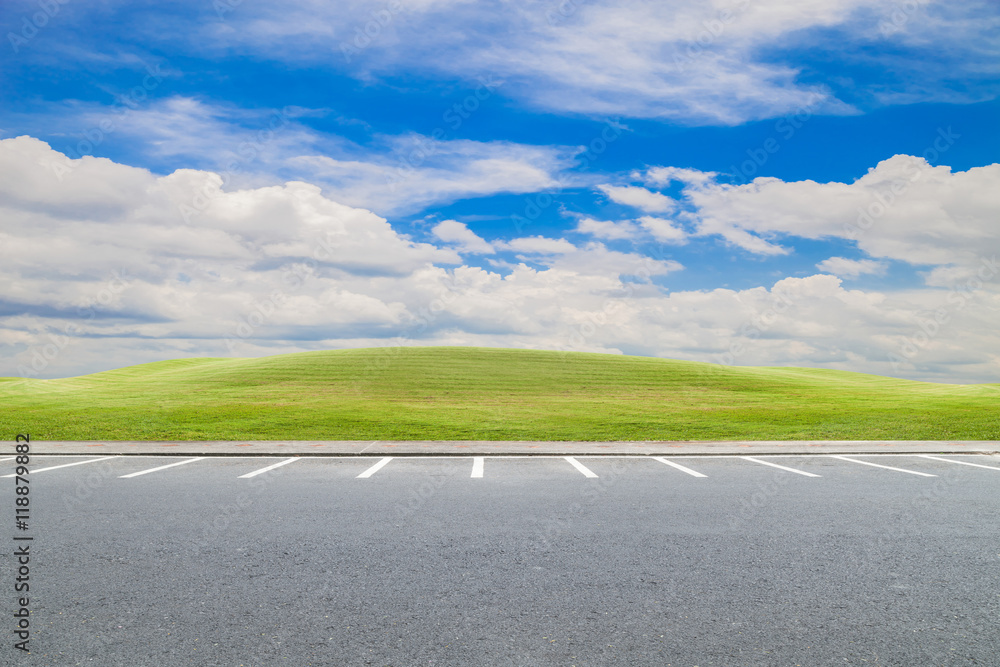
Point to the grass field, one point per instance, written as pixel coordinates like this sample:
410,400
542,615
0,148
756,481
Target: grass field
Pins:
462,393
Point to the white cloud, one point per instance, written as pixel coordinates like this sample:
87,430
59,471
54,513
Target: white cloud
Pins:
685,60
594,259
607,229
663,230
466,240
851,268
637,197
103,280
393,175
187,130
539,245
420,171
903,209
662,176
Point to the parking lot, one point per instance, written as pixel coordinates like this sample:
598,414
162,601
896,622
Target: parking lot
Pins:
503,560
475,467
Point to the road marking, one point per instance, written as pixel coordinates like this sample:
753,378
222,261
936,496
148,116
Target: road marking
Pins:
587,472
877,465
693,473
169,465
375,468
9,458
270,467
964,463
66,465
775,465
477,466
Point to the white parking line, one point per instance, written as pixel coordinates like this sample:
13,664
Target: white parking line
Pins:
679,467
587,472
375,468
477,466
964,463
169,465
9,458
66,465
775,465
912,472
270,467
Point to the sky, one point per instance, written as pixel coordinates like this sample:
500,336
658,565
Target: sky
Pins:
742,182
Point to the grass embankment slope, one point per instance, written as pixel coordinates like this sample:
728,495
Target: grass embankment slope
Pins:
460,393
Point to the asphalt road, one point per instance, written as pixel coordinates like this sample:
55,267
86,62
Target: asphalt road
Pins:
534,563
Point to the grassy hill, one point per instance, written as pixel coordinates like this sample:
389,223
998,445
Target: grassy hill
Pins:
462,393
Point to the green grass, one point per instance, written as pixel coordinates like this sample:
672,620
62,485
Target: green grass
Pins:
464,393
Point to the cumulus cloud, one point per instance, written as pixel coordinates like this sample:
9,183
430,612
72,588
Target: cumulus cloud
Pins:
73,227
645,227
607,229
662,176
663,230
463,238
851,268
640,198
903,209
592,258
102,269
539,245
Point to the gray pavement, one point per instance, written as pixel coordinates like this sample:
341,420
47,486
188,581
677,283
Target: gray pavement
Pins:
884,560
488,448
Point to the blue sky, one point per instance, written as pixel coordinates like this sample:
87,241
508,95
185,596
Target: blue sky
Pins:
745,182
